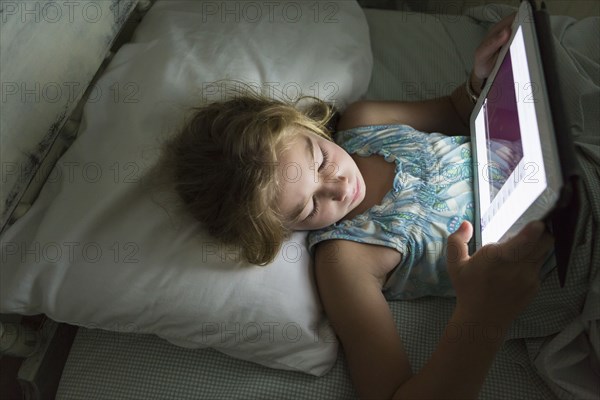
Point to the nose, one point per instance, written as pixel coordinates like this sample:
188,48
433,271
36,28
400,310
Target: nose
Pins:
339,189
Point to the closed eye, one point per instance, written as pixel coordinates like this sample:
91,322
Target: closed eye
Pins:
315,210
325,159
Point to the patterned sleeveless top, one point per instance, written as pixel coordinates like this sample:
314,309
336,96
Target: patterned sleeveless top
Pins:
432,195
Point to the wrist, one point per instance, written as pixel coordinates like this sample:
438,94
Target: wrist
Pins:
462,105
483,329
473,91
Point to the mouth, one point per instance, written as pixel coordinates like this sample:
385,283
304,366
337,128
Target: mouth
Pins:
356,192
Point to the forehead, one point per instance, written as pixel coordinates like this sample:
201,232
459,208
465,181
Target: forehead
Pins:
293,171
294,136
296,153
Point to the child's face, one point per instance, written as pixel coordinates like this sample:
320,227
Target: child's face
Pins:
320,180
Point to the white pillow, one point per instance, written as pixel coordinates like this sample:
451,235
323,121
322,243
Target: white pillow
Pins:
95,250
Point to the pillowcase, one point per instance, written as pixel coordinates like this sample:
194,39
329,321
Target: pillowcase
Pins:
97,250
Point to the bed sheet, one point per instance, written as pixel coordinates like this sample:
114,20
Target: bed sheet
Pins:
107,365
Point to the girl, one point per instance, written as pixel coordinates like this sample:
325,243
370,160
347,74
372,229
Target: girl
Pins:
385,210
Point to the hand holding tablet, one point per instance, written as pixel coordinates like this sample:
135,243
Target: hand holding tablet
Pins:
487,52
521,173
497,282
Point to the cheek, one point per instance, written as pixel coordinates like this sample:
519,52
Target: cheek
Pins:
333,212
337,160
343,158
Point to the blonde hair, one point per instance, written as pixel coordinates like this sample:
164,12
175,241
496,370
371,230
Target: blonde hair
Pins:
223,166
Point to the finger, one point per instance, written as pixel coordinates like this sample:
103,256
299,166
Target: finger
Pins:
486,55
492,44
525,242
503,23
496,37
543,247
458,249
536,260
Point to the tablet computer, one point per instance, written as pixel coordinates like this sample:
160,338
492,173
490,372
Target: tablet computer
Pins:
523,155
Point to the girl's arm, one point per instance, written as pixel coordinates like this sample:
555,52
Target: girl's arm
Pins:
349,282
448,114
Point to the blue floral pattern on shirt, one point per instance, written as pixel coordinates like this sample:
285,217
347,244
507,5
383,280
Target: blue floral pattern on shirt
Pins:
431,196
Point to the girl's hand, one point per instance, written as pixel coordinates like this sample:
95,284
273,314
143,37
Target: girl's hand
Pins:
487,52
495,284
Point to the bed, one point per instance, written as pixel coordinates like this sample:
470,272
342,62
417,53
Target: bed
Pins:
165,312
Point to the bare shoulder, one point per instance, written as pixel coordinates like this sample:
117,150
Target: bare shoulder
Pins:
376,260
349,281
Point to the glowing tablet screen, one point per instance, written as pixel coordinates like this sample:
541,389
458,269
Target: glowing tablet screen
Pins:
510,166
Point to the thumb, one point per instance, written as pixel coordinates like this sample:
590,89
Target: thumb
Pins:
458,250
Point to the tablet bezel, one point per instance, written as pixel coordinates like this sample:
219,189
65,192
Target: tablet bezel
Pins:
548,198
